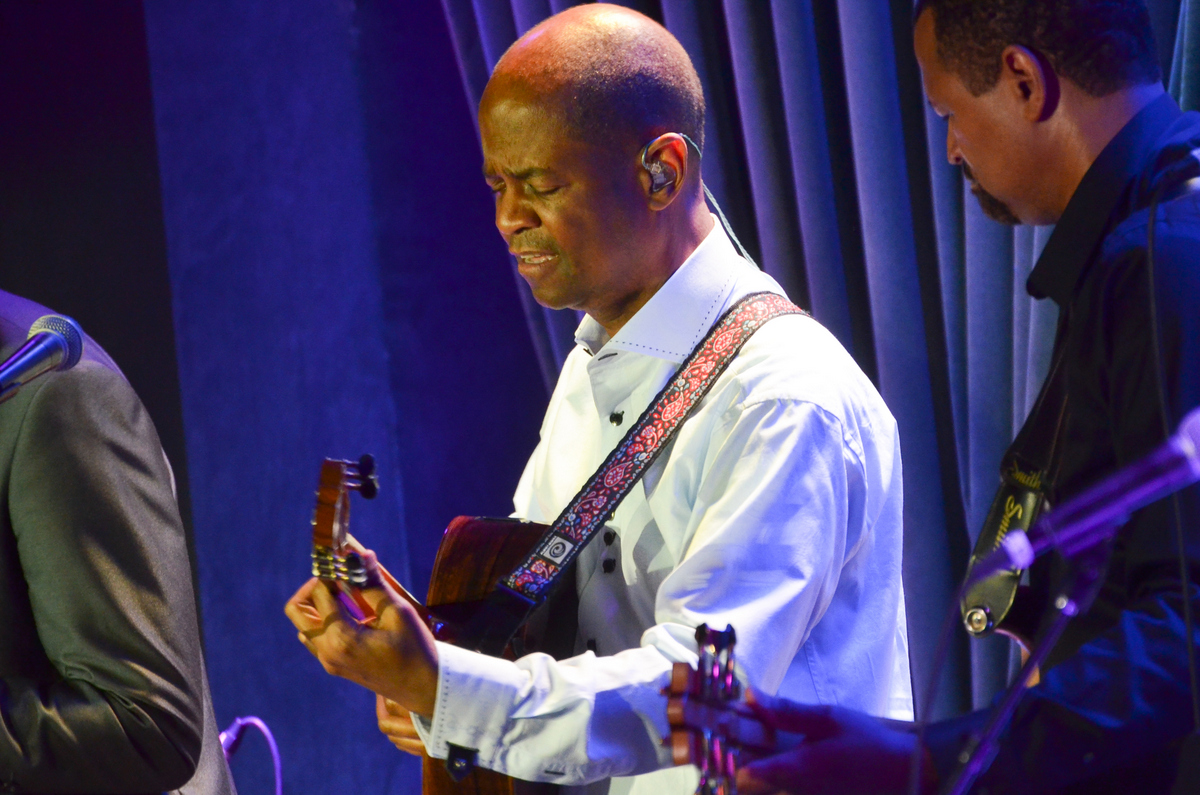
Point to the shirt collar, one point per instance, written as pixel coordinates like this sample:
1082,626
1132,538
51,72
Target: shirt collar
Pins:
676,317
1086,218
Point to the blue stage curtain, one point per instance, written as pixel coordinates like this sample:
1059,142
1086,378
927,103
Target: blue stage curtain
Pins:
338,288
832,168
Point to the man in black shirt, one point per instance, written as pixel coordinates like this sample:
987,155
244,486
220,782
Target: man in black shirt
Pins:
1057,113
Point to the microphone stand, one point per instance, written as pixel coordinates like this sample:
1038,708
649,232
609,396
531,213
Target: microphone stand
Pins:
1080,586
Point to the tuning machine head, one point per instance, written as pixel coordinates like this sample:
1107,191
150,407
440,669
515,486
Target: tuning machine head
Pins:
367,481
717,639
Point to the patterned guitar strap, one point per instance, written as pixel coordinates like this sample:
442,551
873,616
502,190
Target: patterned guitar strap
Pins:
537,576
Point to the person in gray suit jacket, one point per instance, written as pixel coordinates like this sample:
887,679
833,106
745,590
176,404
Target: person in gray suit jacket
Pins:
102,683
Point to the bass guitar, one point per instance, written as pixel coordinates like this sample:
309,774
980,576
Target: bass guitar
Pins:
474,554
712,727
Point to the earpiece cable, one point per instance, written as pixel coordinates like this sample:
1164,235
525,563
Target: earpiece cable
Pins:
709,195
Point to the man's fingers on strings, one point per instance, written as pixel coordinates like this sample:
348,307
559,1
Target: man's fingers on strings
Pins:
383,603
748,785
321,626
306,611
370,563
325,602
814,721
791,772
300,609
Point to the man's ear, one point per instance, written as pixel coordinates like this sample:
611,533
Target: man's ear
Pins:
1033,79
666,162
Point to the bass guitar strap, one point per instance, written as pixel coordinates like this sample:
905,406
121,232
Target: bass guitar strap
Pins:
540,573
1027,472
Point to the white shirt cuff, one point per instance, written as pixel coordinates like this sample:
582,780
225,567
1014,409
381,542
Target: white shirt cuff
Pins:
474,700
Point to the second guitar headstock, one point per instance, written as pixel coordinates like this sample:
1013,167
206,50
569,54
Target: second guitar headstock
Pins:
712,727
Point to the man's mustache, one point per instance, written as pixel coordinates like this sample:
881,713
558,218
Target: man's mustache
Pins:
992,207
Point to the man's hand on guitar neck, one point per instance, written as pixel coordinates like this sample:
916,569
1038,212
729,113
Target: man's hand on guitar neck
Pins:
394,656
843,752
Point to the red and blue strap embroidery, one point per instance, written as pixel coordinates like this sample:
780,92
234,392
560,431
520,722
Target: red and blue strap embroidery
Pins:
625,465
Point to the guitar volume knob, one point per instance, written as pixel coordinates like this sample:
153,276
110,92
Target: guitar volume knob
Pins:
977,621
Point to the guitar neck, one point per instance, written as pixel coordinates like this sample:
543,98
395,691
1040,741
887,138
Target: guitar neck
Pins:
386,577
403,592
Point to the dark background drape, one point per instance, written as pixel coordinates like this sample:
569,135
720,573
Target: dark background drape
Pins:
272,215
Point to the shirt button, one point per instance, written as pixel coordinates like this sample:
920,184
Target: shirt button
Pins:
609,566
609,537
616,417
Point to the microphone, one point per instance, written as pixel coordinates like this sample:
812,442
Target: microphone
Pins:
54,343
1092,516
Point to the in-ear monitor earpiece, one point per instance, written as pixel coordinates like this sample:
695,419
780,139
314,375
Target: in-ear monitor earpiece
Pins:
661,175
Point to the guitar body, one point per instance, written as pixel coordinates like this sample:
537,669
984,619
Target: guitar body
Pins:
475,554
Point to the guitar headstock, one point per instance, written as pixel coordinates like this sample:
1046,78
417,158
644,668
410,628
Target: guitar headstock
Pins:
334,558
711,726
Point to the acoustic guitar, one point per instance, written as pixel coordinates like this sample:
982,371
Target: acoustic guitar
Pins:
475,553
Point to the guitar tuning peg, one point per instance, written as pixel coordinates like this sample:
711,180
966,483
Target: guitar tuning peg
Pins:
369,481
366,465
683,680
723,639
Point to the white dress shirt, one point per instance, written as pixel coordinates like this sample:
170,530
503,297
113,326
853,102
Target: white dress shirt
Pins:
776,509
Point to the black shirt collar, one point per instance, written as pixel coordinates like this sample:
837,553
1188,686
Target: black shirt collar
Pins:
1086,218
